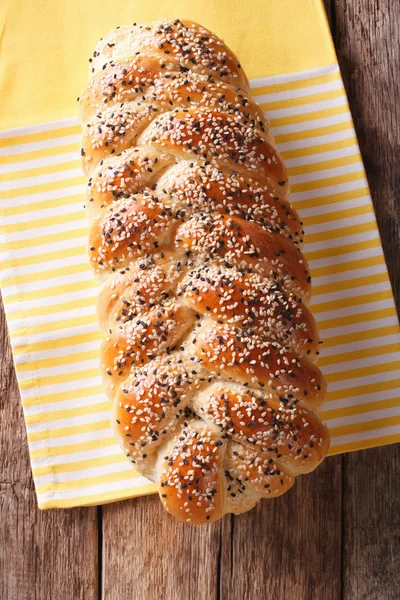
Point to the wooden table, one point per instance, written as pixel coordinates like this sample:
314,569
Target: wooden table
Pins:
336,535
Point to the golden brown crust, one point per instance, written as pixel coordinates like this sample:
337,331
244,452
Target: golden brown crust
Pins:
130,227
123,174
209,342
246,245
208,189
182,43
206,134
112,129
252,472
135,342
259,363
120,82
254,303
149,405
135,289
192,485
282,428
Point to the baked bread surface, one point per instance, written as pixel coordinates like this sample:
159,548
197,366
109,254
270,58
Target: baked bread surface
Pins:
209,344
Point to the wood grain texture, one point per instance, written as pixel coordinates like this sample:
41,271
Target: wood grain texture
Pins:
367,38
371,525
43,554
233,559
148,555
289,547
334,535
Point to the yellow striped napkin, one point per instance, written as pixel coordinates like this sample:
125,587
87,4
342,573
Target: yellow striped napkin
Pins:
49,291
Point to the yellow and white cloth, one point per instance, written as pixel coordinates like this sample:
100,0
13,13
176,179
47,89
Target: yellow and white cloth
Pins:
47,286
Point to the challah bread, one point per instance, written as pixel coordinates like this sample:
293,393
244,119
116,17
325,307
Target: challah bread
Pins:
209,348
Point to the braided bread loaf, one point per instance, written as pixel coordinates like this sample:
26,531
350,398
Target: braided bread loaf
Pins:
209,343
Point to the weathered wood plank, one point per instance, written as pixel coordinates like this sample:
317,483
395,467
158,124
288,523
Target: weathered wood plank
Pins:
371,544
43,554
289,547
148,555
367,36
285,548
